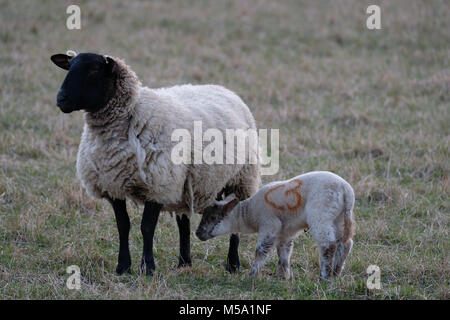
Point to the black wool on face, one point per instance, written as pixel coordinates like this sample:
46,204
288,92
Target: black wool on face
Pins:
88,85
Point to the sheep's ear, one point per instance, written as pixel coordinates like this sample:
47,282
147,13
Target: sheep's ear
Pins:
112,65
228,207
61,60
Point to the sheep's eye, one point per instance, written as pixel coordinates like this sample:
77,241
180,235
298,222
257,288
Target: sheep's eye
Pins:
93,71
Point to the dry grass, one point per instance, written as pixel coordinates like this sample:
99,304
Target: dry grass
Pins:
372,106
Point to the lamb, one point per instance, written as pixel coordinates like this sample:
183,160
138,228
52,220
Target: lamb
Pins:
125,148
318,200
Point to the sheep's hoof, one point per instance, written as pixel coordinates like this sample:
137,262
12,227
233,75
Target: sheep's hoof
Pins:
123,268
147,270
232,267
184,263
148,273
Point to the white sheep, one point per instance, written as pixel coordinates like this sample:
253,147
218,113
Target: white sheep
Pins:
319,200
125,149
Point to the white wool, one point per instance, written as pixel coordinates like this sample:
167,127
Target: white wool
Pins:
140,153
125,149
320,201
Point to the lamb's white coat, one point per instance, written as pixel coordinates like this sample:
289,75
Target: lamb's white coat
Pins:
125,149
320,200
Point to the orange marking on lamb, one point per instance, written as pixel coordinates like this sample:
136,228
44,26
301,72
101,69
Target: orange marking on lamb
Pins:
296,192
270,203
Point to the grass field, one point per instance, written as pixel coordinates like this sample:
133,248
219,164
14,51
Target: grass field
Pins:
372,106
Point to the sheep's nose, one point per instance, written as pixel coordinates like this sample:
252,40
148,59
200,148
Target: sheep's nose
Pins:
61,98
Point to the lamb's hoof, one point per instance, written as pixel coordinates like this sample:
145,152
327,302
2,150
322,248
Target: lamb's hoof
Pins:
337,273
325,279
123,268
253,274
184,263
284,274
232,267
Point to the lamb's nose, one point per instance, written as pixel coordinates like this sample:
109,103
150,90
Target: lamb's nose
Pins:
199,235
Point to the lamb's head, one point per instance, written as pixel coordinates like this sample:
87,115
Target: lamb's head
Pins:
88,85
214,218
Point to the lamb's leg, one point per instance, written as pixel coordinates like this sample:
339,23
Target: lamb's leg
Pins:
148,224
265,243
326,259
123,225
284,250
233,263
184,228
324,235
342,251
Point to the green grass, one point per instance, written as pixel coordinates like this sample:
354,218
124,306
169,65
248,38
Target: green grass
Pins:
372,106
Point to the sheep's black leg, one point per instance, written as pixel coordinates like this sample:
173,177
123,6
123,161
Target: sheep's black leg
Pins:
184,228
148,224
233,263
123,225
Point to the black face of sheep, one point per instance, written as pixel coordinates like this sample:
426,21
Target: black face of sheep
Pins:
88,85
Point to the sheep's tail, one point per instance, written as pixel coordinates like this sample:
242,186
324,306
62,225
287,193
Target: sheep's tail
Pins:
349,223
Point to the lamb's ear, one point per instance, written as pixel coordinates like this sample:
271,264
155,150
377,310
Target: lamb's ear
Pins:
223,202
228,207
230,197
61,60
